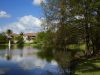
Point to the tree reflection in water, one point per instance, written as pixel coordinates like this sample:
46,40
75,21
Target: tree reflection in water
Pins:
66,60
9,51
63,58
9,54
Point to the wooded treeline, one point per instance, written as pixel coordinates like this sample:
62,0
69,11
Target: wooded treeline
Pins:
72,22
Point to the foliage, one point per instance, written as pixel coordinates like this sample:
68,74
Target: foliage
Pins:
72,22
40,37
9,31
20,40
3,38
9,35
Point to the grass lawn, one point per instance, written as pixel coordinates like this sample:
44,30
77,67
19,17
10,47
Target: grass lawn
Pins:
33,45
89,67
79,47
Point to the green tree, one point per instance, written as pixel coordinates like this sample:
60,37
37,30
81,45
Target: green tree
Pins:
3,38
73,21
9,36
20,40
9,32
69,21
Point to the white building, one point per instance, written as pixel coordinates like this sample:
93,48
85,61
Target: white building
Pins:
29,37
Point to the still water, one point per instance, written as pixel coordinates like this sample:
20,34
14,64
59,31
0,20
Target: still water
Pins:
28,61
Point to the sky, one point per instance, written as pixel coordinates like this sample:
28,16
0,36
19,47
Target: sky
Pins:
21,15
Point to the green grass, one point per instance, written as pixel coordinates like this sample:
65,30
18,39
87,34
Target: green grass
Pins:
88,73
77,46
89,67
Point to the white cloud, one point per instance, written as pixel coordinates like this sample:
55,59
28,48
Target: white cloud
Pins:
25,24
4,14
38,2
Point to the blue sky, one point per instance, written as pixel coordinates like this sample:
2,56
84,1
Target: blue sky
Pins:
19,14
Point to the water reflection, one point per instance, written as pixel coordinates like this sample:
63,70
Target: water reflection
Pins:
63,59
8,55
25,61
66,60
3,47
31,61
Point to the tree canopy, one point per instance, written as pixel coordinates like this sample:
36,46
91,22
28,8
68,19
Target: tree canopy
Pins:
72,21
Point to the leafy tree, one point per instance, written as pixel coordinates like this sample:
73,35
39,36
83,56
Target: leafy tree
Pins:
9,36
9,32
40,37
20,40
72,21
3,38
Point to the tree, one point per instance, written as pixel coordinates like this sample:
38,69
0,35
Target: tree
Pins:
20,40
3,39
40,37
9,35
55,13
9,32
73,20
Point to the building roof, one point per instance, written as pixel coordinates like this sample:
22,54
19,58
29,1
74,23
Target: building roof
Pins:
14,34
26,34
30,34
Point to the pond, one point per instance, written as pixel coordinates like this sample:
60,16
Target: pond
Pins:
30,61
